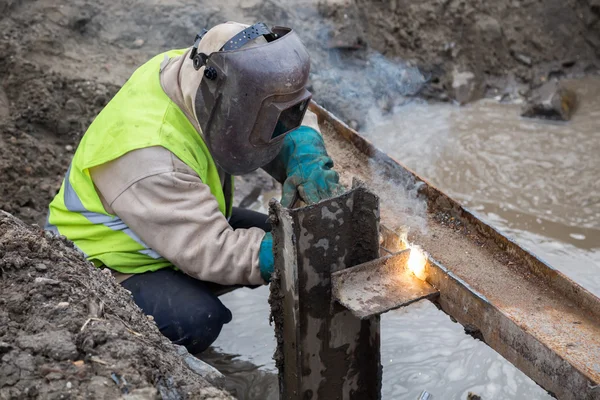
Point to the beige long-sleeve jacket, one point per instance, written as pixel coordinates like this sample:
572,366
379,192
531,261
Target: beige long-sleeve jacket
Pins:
168,206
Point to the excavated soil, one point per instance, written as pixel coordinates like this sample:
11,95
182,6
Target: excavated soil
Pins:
503,43
68,330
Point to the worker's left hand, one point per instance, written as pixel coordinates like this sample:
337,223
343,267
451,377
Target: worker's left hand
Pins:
309,169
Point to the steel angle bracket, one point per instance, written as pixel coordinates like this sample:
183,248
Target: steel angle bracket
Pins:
379,286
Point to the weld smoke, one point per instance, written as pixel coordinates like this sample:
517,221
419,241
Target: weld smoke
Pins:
383,84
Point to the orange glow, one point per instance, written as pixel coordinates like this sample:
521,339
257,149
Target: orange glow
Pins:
417,261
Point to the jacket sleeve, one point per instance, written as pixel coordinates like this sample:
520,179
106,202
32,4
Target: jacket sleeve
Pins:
166,204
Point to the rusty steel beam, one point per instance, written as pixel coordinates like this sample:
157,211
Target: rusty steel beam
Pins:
323,350
532,314
379,286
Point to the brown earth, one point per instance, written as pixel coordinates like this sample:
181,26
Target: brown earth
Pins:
68,330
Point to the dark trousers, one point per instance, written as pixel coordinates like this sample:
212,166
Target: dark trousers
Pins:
185,309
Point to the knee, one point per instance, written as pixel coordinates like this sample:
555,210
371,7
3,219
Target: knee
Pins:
200,326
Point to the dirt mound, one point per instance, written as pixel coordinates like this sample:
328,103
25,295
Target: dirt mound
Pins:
42,118
502,43
68,330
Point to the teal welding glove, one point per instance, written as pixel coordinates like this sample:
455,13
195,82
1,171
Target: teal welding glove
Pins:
308,168
265,257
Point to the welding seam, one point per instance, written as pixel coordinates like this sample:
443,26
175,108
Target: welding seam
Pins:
456,278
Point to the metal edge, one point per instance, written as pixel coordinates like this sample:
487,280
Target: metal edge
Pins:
376,266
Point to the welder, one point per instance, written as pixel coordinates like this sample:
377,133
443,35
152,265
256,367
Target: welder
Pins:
149,192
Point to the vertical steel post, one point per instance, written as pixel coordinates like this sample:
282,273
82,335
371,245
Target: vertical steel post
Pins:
323,351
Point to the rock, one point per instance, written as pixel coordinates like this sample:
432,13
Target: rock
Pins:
69,147
62,305
41,267
137,43
550,101
141,394
466,87
57,344
102,387
201,368
63,127
4,105
522,58
473,396
45,281
489,27
5,347
73,106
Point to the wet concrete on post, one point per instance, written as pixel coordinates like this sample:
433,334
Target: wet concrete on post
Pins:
323,351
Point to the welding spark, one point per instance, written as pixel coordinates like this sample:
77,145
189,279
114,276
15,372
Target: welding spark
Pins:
417,261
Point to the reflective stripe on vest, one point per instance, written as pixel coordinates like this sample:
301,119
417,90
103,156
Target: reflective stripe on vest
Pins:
74,204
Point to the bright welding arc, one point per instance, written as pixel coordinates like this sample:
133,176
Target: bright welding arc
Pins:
416,262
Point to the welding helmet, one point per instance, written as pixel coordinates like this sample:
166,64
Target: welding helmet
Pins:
251,95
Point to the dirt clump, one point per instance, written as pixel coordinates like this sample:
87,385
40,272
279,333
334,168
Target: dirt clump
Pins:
68,330
43,115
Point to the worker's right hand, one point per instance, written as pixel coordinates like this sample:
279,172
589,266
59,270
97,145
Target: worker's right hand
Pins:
265,257
309,169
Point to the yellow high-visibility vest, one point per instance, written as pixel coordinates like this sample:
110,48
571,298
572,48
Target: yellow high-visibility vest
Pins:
140,115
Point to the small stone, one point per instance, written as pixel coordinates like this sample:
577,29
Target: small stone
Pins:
53,376
69,147
62,305
5,347
489,27
69,385
150,317
141,394
41,267
201,368
466,87
353,124
72,106
137,43
63,126
523,59
45,281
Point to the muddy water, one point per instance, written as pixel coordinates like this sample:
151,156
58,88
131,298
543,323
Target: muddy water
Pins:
538,182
